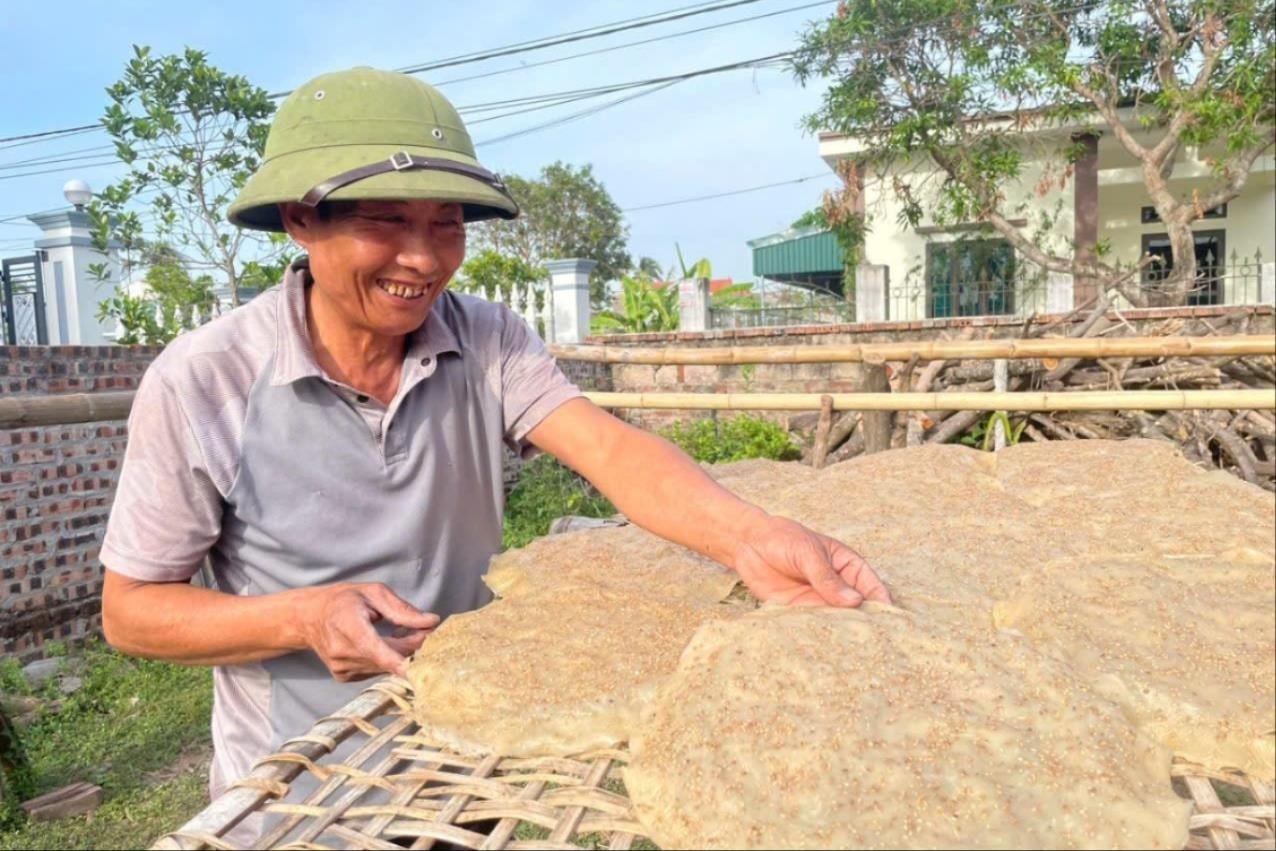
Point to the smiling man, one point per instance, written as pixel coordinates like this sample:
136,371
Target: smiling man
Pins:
335,446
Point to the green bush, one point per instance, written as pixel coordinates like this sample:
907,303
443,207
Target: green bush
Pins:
547,490
714,441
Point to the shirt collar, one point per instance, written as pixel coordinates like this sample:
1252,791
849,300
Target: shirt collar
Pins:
296,357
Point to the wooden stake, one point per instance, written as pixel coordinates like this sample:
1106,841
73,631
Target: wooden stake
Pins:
1000,380
877,423
822,428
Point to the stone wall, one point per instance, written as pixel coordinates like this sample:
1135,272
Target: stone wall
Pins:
55,494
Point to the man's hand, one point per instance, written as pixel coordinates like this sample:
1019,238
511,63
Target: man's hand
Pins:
786,562
337,622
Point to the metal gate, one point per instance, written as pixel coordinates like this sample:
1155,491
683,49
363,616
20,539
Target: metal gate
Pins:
23,304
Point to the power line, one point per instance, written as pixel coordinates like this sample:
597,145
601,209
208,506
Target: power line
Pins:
46,133
579,35
615,47
66,134
657,82
575,116
81,167
526,104
727,194
479,56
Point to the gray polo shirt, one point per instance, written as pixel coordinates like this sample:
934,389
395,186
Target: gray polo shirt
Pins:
242,449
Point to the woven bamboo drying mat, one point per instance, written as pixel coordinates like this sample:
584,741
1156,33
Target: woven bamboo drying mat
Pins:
395,789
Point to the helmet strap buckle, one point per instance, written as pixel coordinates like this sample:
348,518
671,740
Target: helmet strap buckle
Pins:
402,161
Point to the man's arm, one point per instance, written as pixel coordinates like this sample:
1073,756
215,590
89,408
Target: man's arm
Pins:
658,487
178,622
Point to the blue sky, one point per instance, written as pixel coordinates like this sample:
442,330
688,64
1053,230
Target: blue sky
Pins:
702,136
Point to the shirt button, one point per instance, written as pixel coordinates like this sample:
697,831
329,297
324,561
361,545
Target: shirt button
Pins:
361,398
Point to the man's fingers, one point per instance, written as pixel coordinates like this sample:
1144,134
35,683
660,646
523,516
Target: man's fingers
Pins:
383,656
361,649
826,582
407,643
867,583
395,609
856,573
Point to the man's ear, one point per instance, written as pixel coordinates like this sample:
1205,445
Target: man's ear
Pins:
299,220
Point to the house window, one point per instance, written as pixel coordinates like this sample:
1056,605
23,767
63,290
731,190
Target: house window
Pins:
973,277
1149,215
1209,265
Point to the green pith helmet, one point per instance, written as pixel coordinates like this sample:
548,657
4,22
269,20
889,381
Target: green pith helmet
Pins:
368,134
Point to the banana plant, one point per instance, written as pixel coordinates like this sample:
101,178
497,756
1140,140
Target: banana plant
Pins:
702,268
644,307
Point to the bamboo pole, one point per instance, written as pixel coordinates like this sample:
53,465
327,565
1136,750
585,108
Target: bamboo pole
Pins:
1108,400
24,411
1050,347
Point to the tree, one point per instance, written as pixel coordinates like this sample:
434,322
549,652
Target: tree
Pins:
510,280
191,135
566,212
648,266
962,81
173,302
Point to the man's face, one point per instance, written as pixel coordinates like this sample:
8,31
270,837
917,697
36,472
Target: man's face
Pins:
381,264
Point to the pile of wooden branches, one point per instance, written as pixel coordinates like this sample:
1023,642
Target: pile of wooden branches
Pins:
1242,442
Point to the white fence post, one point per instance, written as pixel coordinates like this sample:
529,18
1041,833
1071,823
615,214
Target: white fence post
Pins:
569,290
872,289
693,304
1267,285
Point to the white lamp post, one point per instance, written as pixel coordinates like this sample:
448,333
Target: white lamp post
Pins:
77,193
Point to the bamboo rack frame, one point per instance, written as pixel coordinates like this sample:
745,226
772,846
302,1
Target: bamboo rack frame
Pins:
1050,347
397,785
29,411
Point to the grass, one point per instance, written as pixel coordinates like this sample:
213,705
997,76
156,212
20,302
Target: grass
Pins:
547,490
129,721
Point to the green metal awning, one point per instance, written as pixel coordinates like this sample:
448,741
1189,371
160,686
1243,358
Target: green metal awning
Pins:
810,257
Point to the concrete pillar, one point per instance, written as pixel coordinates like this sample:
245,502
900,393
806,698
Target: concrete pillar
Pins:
1085,214
693,304
1059,298
71,294
1267,284
872,291
569,291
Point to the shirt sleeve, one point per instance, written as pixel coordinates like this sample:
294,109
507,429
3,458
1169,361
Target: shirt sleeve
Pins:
167,511
532,385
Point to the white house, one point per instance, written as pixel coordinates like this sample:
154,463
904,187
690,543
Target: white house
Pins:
964,268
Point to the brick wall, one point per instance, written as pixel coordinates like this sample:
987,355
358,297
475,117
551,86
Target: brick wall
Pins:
55,493
56,484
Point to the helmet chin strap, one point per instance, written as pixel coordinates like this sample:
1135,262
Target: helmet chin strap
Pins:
402,161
